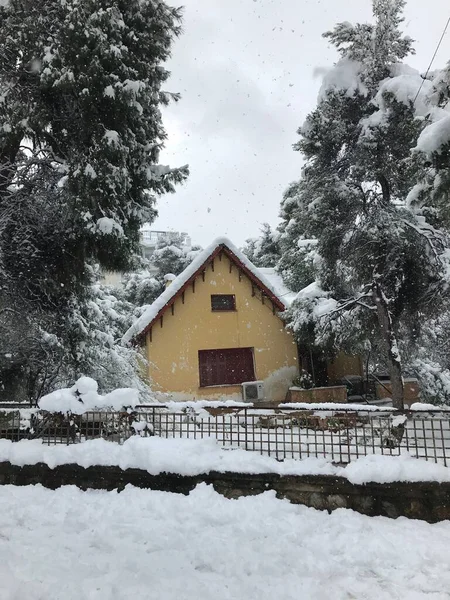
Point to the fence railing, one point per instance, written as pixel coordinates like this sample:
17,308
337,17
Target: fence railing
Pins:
340,435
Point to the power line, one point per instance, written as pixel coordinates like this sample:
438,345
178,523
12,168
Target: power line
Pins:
432,60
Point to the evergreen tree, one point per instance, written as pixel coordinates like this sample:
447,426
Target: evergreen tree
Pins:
80,136
98,325
429,200
170,256
430,196
429,359
263,251
142,286
298,255
379,262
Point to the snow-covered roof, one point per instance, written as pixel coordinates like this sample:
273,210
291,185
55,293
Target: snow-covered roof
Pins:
271,275
266,279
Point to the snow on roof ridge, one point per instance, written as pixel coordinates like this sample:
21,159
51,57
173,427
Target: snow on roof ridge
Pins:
152,311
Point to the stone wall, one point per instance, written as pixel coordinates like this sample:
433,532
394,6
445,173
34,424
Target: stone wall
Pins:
426,501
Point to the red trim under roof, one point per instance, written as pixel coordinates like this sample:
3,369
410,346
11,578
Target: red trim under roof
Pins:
221,248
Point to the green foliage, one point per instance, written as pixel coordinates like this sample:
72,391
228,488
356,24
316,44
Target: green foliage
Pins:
82,83
373,250
141,288
263,251
80,137
170,257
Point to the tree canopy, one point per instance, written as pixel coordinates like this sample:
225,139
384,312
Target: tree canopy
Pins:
376,255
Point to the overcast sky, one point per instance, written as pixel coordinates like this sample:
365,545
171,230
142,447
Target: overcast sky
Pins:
245,70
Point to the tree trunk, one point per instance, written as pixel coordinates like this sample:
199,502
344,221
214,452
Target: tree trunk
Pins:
390,345
8,154
385,189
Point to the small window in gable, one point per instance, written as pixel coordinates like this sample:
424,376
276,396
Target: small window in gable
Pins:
223,302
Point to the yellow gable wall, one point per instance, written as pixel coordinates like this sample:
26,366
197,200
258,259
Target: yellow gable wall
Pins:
173,349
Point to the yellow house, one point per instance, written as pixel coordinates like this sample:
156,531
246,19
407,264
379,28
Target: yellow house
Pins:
217,325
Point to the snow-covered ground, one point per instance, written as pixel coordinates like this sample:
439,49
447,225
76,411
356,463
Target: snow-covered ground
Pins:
68,544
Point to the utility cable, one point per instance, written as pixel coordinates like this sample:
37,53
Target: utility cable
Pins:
432,60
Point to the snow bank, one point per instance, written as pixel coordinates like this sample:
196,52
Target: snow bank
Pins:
196,457
84,396
176,285
387,469
197,405
101,545
155,455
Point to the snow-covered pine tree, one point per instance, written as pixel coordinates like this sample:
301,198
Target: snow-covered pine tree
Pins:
142,285
431,195
171,256
429,200
264,250
81,84
429,359
80,127
378,261
50,330
98,324
36,291
298,256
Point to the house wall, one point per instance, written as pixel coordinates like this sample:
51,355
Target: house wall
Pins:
172,349
343,365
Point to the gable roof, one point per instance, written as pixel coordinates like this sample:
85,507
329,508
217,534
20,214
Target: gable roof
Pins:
267,280
277,284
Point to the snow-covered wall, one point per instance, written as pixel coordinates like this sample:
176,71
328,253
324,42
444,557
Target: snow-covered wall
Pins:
154,463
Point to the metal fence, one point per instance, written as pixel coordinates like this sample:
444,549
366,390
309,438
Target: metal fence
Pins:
340,435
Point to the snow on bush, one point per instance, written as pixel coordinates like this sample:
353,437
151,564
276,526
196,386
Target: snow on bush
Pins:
84,396
434,377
